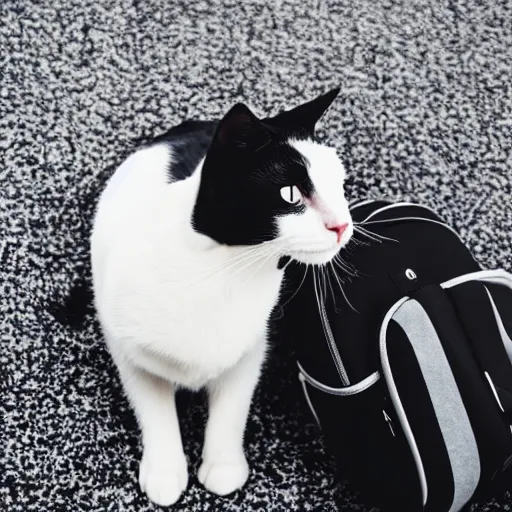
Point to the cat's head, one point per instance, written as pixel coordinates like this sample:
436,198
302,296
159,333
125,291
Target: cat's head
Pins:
269,180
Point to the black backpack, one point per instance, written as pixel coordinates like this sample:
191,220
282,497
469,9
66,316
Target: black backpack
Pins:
406,364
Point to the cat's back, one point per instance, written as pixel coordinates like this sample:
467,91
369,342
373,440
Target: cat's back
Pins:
188,142
151,174
151,193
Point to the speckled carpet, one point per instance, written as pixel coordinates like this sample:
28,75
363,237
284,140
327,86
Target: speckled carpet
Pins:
425,114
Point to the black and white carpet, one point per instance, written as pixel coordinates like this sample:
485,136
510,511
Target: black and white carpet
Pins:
425,114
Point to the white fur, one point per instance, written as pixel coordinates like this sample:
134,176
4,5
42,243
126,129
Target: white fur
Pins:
178,309
308,239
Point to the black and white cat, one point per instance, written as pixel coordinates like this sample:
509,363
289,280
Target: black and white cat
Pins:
186,245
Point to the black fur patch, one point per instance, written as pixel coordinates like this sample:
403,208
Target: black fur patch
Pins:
239,198
247,164
190,141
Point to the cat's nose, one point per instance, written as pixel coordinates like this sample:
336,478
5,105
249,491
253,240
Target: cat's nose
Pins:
339,229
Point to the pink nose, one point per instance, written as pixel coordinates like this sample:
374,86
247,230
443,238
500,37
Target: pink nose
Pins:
339,229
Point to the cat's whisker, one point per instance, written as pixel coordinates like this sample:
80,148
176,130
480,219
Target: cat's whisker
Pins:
298,288
345,267
241,255
345,295
328,274
315,284
247,258
320,290
322,296
342,274
265,260
357,242
371,234
361,231
246,265
321,306
289,262
264,254
324,280
335,263
254,250
276,250
232,263
335,274
333,270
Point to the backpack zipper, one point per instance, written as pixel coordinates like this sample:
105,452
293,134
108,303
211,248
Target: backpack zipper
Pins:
354,389
333,347
389,422
331,343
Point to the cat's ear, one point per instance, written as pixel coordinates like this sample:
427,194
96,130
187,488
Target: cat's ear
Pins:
240,129
304,117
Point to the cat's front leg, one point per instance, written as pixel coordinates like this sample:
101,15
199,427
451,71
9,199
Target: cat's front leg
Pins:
163,472
224,468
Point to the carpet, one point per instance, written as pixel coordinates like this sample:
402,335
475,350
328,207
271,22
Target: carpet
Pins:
425,114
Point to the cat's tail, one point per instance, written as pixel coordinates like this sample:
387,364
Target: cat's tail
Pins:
73,309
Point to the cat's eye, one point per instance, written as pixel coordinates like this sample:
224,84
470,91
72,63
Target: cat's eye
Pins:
291,194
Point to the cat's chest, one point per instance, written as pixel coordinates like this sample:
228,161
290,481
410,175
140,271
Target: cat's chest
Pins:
225,306
203,324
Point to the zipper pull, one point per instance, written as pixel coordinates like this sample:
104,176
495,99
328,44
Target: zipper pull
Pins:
389,421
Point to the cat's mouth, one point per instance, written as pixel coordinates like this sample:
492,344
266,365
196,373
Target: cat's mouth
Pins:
320,253
319,256
316,256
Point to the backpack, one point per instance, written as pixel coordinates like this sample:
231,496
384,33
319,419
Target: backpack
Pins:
404,358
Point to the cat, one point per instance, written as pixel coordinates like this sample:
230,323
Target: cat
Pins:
187,250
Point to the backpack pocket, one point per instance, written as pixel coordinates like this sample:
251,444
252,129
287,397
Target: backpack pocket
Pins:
483,304
430,409
484,307
446,365
362,431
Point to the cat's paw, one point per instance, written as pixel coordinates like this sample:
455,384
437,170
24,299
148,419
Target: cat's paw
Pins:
163,480
222,476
